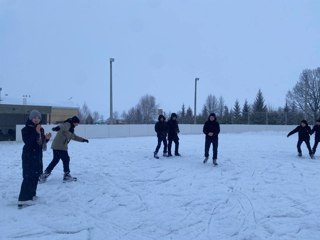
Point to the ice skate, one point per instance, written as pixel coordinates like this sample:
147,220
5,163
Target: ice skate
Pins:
68,178
23,204
215,162
155,155
205,159
43,177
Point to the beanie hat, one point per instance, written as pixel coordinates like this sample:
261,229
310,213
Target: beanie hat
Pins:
33,114
75,119
174,115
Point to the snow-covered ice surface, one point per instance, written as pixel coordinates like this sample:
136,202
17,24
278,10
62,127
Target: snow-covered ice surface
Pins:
260,190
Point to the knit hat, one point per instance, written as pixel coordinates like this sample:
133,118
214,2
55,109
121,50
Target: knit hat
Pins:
33,114
75,119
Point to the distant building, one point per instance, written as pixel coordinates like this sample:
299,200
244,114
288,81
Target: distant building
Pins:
14,114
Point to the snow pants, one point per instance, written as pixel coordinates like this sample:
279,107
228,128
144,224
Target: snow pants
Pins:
314,149
57,155
165,145
28,188
308,146
174,139
208,142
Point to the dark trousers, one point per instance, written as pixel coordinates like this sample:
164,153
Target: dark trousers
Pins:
314,149
307,143
28,188
176,142
57,155
165,145
214,142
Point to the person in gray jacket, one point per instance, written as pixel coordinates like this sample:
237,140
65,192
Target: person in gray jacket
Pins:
65,133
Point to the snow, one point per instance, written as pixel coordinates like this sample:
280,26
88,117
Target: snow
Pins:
260,190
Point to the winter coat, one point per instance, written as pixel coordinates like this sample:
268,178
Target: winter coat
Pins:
316,129
34,143
211,126
161,129
64,136
173,128
303,132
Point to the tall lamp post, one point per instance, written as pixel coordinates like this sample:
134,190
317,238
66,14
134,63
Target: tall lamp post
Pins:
195,100
111,103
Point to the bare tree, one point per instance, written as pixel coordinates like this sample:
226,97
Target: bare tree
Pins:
306,93
148,108
212,103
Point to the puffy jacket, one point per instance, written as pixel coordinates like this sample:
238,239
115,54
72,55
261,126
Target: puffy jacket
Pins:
32,151
161,127
64,136
303,132
211,126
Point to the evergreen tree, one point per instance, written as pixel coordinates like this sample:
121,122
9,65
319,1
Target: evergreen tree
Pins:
246,113
189,116
236,114
259,110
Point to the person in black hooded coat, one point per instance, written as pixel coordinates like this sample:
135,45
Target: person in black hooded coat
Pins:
161,128
304,132
173,130
35,141
211,129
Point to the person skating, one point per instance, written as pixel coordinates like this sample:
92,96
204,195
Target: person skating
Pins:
304,132
161,129
211,129
65,133
173,130
35,141
316,130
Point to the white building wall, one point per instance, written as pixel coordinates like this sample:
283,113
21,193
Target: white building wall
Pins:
114,131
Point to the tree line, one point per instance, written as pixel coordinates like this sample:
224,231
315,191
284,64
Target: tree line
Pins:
302,102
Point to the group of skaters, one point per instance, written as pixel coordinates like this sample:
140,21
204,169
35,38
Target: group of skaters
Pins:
167,132
304,131
35,142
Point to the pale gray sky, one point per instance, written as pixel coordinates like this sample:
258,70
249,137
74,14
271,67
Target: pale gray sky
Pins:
55,50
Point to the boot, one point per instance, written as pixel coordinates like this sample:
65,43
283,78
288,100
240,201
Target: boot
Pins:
43,177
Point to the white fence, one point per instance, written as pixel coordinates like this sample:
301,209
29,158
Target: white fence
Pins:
114,131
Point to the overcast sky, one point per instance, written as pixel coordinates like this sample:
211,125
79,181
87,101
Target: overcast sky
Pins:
59,50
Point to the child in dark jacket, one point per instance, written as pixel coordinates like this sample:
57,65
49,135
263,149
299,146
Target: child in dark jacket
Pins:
161,129
211,129
304,132
316,130
35,141
173,130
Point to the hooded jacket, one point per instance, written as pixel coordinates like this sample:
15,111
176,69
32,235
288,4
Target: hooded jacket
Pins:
303,132
211,126
161,128
173,127
32,150
64,135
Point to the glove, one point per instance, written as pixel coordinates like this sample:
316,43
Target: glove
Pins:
56,129
85,140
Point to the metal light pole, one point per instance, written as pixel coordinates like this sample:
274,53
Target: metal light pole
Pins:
111,103
195,100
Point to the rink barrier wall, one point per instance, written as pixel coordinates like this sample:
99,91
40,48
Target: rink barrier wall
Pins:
141,130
